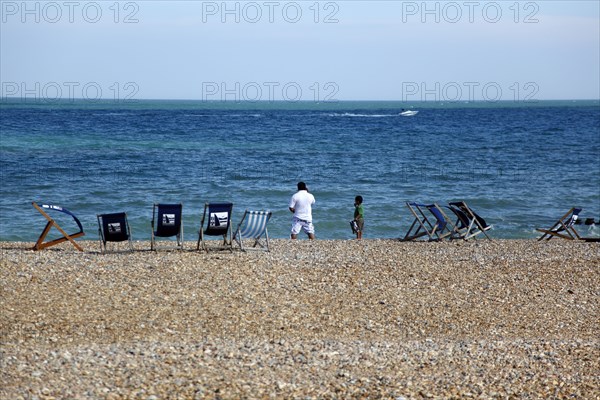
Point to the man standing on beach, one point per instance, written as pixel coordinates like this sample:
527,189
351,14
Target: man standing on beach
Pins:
301,205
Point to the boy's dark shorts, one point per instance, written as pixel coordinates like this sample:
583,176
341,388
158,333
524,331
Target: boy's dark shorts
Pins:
361,223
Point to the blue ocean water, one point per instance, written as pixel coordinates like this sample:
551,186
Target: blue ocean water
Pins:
521,166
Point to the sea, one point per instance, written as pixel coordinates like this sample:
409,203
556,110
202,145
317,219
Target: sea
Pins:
519,165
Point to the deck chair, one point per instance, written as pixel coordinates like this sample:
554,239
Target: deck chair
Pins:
564,227
167,220
218,223
113,228
468,223
40,245
429,220
253,226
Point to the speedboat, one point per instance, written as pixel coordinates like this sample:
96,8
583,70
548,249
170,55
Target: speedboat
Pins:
409,113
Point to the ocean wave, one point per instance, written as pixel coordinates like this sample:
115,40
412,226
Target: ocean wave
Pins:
353,115
112,114
257,115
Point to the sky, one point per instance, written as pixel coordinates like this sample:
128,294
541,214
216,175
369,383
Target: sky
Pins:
301,50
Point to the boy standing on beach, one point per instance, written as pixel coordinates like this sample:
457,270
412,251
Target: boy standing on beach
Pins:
301,205
359,216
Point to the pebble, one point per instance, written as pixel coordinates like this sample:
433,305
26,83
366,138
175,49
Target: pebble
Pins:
313,320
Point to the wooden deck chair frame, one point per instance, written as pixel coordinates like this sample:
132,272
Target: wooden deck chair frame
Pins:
119,222
436,227
40,245
214,226
472,223
563,228
255,229
167,219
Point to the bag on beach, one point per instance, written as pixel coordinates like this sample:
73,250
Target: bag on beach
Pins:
354,226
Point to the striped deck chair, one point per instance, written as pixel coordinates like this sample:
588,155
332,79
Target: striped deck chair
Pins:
168,222
436,226
218,223
113,228
468,224
40,245
564,227
253,226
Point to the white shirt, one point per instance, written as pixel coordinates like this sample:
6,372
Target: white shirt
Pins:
301,202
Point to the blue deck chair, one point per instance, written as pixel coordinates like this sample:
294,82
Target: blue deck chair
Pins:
564,227
166,218
113,228
468,224
218,223
436,226
40,245
253,226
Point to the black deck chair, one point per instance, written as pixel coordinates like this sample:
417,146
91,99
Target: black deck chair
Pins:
113,228
218,223
468,224
167,222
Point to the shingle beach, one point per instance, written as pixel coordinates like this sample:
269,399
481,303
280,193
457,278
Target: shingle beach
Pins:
502,319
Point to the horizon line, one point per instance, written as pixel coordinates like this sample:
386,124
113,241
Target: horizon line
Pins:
133,100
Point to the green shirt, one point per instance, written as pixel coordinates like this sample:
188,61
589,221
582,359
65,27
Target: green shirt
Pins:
359,212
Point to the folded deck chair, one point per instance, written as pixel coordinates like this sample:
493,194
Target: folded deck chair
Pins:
429,220
564,227
468,224
253,226
39,245
113,228
166,218
218,223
